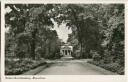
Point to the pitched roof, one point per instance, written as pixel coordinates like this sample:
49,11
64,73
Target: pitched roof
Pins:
66,47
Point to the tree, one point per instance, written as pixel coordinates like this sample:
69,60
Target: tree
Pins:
83,22
25,22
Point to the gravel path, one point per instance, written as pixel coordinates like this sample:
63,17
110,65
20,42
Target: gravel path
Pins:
73,67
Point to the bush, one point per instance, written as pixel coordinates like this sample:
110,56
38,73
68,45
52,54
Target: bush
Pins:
96,56
18,67
77,54
121,71
114,67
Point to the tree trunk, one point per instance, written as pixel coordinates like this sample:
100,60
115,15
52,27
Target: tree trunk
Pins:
33,45
47,49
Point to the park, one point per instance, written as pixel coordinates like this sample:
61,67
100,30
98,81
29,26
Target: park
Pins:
64,39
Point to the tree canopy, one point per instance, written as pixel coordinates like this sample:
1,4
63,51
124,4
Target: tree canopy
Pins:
95,28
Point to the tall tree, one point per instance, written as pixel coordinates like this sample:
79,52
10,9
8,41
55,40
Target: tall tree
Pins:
28,19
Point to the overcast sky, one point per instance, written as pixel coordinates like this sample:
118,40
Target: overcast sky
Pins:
62,30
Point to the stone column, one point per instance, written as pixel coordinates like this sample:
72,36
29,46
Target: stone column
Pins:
63,52
69,52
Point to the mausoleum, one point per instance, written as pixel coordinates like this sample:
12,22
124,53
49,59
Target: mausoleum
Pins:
66,50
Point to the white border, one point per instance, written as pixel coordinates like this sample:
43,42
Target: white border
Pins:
63,78
64,1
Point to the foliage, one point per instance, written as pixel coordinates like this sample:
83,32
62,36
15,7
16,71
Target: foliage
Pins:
114,67
30,28
84,25
100,28
95,56
95,27
16,67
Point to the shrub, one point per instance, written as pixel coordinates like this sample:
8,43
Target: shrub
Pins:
96,56
121,71
77,54
114,67
19,67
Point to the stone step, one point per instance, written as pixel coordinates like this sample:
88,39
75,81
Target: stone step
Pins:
66,58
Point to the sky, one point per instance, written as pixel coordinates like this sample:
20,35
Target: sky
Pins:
62,30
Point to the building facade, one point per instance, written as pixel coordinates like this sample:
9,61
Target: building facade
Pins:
66,50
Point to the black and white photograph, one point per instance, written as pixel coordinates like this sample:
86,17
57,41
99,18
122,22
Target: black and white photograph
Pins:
0,40
64,39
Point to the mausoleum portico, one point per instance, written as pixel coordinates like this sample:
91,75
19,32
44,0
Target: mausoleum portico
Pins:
66,50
